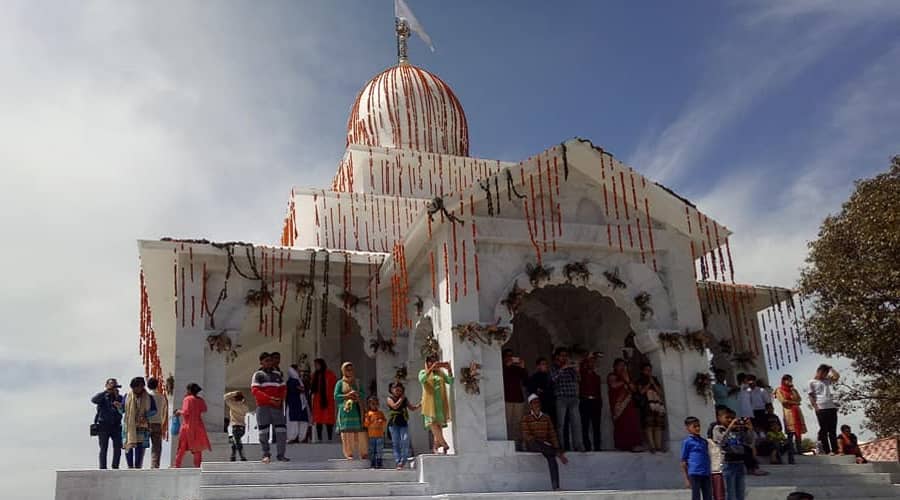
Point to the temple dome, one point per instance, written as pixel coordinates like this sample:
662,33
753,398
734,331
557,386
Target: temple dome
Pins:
408,107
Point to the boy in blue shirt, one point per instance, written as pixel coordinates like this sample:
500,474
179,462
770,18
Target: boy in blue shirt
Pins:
695,461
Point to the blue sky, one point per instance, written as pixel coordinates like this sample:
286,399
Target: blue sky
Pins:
122,120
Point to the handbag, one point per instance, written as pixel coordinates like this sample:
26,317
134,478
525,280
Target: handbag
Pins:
175,427
95,427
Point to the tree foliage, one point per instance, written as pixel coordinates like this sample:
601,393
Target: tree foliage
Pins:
853,275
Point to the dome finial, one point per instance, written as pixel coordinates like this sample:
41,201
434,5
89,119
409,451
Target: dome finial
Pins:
402,28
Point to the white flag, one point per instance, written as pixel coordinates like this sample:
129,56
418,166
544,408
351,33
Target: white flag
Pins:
403,10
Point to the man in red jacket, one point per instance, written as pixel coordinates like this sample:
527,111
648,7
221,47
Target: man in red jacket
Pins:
269,389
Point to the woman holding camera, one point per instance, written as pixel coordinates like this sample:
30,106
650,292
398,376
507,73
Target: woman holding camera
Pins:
435,402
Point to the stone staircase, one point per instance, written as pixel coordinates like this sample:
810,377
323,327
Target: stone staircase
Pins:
829,477
312,475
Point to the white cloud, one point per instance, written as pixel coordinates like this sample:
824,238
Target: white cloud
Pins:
775,45
123,121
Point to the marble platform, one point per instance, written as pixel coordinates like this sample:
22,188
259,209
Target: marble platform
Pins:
495,475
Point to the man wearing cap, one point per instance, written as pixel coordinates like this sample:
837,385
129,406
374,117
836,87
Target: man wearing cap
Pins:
109,421
539,436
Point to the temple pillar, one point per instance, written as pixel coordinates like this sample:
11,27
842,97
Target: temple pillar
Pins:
467,432
677,370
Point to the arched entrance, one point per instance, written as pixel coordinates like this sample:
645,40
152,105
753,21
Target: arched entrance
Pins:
581,320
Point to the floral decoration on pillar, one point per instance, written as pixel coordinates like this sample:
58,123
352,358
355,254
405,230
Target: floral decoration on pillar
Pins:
486,334
470,376
703,386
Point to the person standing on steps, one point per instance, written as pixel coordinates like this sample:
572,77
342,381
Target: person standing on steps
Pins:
539,383
398,422
623,409
237,414
514,378
724,393
192,437
297,408
695,461
539,436
349,398
590,408
733,436
109,421
759,398
822,399
159,423
139,408
653,408
268,389
790,400
564,377
435,378
375,424
322,389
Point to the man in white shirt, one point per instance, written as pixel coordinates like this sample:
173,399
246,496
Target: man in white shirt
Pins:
759,398
820,394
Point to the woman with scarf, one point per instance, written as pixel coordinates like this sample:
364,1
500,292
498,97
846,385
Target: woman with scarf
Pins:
192,437
790,401
435,401
349,396
322,389
625,415
297,407
139,407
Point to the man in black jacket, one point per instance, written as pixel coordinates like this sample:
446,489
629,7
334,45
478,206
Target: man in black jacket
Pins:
109,421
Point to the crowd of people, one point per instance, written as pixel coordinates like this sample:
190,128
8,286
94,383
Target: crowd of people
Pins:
570,394
556,409
287,409
746,428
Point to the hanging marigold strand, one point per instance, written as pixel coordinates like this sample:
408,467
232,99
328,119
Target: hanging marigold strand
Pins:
615,196
624,194
446,275
541,193
641,241
465,271
650,232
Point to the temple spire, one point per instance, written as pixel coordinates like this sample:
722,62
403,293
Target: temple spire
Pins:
405,23
402,28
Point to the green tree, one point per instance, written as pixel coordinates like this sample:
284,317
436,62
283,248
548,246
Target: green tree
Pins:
853,275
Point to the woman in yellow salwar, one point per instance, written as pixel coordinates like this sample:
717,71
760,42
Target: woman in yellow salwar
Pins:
435,402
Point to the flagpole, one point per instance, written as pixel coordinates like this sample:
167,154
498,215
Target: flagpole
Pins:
402,28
